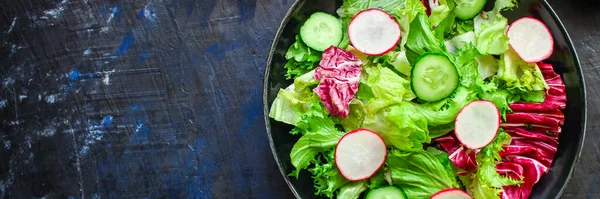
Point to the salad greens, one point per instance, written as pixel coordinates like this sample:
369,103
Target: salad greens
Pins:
488,69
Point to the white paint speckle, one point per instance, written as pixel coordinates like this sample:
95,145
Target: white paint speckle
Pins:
12,25
49,131
87,52
54,13
51,99
150,14
8,81
110,18
3,103
106,79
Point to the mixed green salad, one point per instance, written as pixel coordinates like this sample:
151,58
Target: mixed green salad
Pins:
421,99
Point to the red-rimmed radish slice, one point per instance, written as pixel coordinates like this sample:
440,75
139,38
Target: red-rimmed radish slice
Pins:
531,39
359,154
477,124
451,193
374,32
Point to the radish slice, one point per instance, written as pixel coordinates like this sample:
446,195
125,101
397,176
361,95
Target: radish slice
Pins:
374,32
451,193
531,39
477,124
359,154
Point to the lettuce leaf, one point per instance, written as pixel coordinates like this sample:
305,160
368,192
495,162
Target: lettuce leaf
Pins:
352,190
400,125
520,75
382,87
327,178
486,182
319,134
294,100
490,29
421,173
422,39
461,97
396,60
301,59
441,11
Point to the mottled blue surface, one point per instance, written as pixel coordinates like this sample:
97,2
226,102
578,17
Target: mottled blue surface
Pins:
136,99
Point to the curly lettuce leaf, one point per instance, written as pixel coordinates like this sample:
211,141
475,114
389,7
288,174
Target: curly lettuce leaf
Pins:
327,178
352,190
520,75
486,183
319,134
301,59
420,174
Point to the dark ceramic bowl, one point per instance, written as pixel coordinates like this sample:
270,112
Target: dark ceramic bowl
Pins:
564,59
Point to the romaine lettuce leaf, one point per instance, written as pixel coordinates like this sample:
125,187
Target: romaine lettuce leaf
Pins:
419,173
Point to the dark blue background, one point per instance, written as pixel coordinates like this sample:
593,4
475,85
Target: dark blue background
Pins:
162,99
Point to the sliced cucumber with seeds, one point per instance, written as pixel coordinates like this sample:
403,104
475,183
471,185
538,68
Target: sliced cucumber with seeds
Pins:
467,9
434,77
387,192
321,31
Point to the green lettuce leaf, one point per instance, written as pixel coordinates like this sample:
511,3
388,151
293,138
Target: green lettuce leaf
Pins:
520,75
502,98
422,39
294,100
441,12
319,134
381,87
327,178
419,173
461,97
301,59
352,190
486,183
490,29
396,60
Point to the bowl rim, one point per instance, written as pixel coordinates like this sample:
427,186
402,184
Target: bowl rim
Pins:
546,5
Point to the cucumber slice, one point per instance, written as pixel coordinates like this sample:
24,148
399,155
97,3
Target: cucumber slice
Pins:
434,77
387,192
467,9
321,31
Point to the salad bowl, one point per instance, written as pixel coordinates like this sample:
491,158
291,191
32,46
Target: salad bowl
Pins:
564,59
